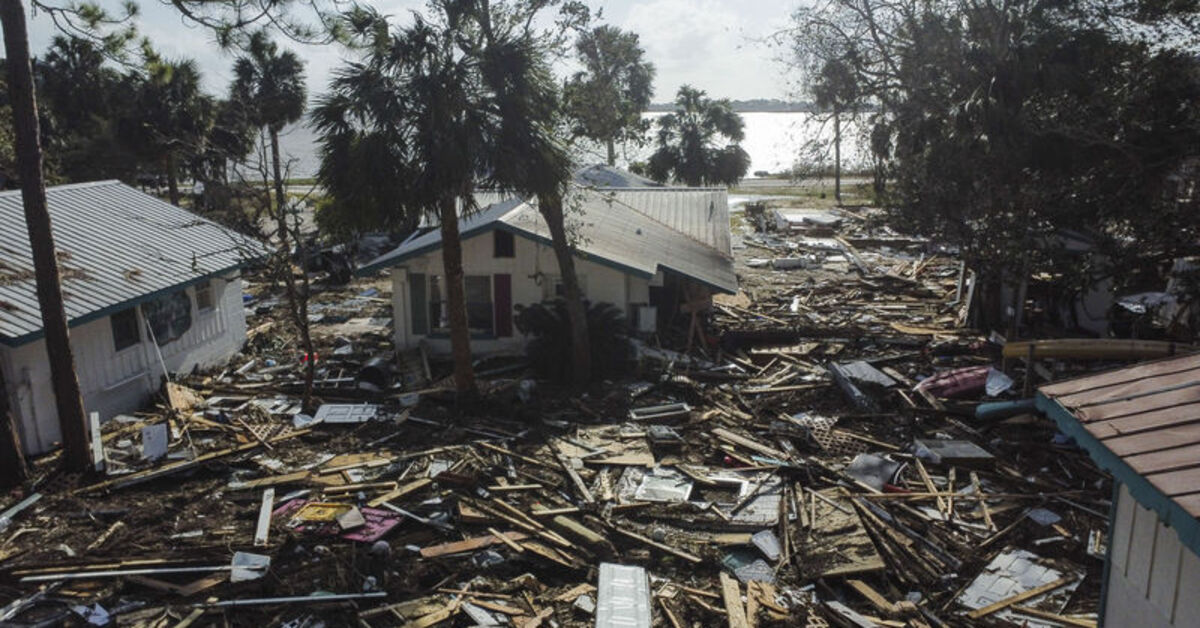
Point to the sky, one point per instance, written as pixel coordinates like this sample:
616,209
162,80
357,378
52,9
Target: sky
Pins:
715,45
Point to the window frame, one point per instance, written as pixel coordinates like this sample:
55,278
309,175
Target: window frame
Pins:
205,287
439,322
505,240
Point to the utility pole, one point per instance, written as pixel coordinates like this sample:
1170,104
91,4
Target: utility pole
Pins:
71,417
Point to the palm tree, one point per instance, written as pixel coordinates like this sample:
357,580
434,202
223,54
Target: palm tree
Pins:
172,117
607,98
527,158
412,111
698,142
436,110
269,84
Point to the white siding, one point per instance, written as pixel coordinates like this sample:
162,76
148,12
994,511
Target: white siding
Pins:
531,262
114,382
1153,579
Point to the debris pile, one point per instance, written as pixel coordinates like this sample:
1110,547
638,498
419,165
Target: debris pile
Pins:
846,454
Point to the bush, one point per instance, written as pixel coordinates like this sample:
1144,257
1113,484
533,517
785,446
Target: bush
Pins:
550,350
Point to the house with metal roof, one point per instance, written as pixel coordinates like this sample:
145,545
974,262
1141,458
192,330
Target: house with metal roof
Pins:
644,249
148,288
1142,425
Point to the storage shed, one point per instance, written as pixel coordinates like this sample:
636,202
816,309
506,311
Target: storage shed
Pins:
1142,424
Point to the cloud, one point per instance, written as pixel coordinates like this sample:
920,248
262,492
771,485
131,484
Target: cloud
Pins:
710,44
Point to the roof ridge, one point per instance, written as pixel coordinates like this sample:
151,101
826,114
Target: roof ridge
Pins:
69,186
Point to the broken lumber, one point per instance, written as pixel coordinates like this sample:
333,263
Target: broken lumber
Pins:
731,594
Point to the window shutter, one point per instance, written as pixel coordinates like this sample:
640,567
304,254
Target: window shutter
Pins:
420,304
502,284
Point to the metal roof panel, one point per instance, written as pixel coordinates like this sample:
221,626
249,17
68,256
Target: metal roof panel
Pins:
115,245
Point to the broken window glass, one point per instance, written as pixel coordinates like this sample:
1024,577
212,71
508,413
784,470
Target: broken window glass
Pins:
169,316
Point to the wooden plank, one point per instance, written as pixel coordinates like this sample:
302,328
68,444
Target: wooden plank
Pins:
1165,460
274,480
468,545
578,530
571,473
666,548
1146,442
1180,482
169,469
880,603
402,491
1020,597
732,596
510,543
1054,617
747,443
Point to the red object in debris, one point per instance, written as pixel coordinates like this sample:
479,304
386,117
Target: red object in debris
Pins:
892,488
963,381
316,357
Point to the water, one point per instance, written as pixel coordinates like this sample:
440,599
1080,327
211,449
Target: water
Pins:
775,141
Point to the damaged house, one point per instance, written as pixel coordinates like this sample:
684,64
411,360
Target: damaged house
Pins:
651,251
147,287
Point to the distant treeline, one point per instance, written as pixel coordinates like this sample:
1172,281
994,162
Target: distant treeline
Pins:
754,104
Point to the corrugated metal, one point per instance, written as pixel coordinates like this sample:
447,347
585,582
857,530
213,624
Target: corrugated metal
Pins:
1148,416
610,231
700,213
605,176
115,245
623,597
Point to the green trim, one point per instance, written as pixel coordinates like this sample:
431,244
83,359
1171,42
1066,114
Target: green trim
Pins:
116,307
1108,550
1146,494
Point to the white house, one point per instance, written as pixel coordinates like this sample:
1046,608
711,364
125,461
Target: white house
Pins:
1141,424
645,249
147,286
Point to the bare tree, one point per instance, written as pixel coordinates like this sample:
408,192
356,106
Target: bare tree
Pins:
69,401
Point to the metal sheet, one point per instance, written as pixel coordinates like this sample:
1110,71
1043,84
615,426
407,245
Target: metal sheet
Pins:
116,245
623,597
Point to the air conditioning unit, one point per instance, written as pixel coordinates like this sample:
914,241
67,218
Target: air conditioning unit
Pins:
647,318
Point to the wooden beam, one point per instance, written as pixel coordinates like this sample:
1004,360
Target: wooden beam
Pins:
1020,597
731,594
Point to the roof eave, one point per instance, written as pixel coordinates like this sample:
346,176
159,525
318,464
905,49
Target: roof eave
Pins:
1146,494
24,339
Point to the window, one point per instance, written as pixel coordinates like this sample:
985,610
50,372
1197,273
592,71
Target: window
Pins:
479,304
503,244
204,296
125,329
169,316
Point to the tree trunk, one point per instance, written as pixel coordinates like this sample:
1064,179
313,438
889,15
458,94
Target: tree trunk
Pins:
297,297
12,456
71,417
456,300
581,348
172,179
837,156
612,152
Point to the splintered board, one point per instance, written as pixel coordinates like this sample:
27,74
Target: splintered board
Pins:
838,544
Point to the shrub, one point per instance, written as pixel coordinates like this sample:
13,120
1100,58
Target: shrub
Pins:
550,350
